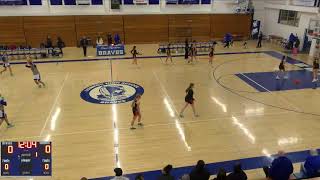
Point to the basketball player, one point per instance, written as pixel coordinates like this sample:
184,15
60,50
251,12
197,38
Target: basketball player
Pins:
3,115
134,53
35,72
168,51
193,52
282,69
189,101
211,55
315,69
136,111
6,64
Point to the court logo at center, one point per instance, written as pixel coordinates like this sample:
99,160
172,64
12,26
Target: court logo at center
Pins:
111,92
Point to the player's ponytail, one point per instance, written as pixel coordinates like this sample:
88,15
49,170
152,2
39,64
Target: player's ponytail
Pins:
135,100
190,87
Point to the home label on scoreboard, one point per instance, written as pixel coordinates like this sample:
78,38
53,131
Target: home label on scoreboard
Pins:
26,158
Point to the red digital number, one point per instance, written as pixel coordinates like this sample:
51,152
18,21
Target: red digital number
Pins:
47,149
21,145
6,167
10,149
28,144
46,166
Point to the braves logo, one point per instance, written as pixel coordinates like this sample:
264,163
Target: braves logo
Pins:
111,92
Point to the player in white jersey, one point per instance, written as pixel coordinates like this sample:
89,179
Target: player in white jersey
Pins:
6,64
3,115
35,72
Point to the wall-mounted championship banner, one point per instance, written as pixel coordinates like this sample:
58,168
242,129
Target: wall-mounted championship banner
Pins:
172,2
140,2
309,3
182,1
115,50
12,2
83,2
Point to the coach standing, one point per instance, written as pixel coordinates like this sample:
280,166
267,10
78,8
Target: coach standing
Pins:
186,49
259,45
84,43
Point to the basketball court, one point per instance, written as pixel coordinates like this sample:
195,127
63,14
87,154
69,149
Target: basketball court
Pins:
244,112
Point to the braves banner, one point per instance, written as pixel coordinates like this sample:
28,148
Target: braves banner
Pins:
110,50
182,1
309,3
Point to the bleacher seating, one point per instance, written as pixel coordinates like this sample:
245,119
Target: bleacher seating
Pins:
19,52
179,48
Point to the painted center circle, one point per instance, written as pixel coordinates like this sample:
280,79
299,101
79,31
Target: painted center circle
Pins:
111,92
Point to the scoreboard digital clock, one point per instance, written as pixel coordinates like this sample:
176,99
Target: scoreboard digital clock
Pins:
28,158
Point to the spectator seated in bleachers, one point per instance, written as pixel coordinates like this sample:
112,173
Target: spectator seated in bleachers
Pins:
222,175
311,167
281,168
49,42
99,40
228,39
199,172
237,174
109,39
166,173
118,175
60,44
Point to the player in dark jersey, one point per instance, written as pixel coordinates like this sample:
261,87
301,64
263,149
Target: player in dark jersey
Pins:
245,45
168,51
6,64
134,53
211,55
3,115
315,69
282,69
189,100
136,111
35,72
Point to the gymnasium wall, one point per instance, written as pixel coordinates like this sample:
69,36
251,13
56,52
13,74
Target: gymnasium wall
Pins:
217,6
268,14
132,28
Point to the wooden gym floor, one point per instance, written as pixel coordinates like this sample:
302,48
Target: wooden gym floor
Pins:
229,127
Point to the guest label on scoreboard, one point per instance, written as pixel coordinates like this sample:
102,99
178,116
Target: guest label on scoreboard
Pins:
26,158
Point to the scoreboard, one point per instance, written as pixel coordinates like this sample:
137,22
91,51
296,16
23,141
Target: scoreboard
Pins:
27,158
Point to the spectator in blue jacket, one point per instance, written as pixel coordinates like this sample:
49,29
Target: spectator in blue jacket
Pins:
117,39
311,167
280,169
